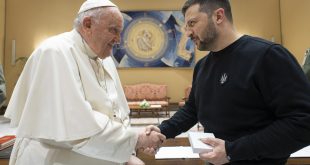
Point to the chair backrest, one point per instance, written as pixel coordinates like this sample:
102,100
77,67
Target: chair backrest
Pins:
187,92
145,91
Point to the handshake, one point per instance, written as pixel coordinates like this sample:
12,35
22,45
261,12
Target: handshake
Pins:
150,140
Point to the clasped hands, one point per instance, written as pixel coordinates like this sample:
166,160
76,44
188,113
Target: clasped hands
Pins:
150,140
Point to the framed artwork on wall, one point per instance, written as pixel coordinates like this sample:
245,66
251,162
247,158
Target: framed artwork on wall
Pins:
154,39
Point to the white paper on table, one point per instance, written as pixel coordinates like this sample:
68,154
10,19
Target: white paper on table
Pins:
305,152
175,153
6,129
4,120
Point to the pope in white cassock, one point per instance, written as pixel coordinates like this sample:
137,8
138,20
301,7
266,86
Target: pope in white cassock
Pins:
68,103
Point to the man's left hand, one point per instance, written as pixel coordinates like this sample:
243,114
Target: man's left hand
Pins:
218,155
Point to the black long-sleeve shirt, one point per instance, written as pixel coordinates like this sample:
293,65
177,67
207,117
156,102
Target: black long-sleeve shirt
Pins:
254,95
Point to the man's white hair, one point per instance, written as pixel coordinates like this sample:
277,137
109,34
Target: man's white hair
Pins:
95,14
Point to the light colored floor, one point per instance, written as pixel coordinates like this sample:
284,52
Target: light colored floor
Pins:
147,118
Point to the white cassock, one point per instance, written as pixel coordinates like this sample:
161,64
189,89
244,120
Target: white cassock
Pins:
70,108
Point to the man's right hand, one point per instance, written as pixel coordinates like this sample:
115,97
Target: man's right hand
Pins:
148,130
152,140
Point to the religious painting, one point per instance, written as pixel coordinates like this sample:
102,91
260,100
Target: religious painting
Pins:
154,39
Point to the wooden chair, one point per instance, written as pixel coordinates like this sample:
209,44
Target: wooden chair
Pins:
187,91
185,98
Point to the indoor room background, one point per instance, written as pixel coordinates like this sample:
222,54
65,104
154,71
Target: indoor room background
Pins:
30,22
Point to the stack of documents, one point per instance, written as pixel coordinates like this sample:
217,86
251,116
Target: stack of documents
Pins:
5,153
7,137
6,141
5,127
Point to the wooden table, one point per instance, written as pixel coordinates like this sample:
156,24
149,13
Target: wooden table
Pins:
4,161
155,109
150,160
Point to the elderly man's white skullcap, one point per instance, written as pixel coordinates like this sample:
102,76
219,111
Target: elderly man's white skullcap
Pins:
90,4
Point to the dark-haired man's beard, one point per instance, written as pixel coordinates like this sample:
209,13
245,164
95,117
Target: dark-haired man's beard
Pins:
211,35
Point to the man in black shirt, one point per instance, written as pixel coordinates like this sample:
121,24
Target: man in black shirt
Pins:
251,93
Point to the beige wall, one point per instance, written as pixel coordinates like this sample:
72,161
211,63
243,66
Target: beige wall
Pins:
28,23
295,21
258,18
2,22
31,21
